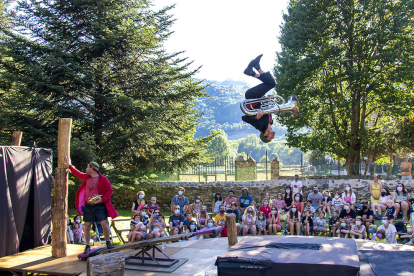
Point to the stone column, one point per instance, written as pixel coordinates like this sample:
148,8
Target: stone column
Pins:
274,169
245,169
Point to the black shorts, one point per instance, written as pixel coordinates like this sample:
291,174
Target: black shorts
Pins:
92,213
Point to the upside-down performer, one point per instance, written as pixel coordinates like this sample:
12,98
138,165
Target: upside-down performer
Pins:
93,200
262,122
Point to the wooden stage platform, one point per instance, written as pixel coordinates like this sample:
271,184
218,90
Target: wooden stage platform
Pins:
201,257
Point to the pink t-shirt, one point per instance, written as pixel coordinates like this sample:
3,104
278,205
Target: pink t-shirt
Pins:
279,204
91,187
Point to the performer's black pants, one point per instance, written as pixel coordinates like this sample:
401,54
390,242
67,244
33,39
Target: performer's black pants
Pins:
260,90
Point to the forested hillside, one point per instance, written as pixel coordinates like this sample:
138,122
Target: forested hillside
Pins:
222,110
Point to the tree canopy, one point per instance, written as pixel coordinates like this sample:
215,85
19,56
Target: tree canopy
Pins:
102,64
351,64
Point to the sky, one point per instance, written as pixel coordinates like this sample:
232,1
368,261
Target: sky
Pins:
224,36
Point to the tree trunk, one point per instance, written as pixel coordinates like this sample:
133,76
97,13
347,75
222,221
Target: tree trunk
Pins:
352,164
231,229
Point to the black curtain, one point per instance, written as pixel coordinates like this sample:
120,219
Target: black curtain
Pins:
25,198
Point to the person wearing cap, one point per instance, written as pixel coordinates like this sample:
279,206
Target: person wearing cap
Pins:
153,205
296,185
366,214
405,168
262,122
93,184
245,199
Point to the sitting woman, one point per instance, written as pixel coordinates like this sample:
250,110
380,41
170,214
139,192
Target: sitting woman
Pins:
293,220
137,202
274,222
401,197
157,225
349,196
297,200
358,230
202,218
382,203
135,234
249,221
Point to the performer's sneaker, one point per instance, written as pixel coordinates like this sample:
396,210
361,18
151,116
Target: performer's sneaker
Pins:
256,62
249,70
109,245
87,249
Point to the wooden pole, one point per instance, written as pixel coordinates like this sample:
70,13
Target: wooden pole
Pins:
60,207
16,138
231,228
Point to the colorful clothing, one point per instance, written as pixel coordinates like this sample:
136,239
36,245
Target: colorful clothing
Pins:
375,191
405,168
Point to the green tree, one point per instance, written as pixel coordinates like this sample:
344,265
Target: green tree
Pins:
102,63
218,146
350,63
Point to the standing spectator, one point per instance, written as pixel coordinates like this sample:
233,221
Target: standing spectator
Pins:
316,198
153,205
180,200
327,202
229,200
390,230
245,199
390,210
348,214
265,208
366,214
94,184
220,220
375,190
137,202
382,204
296,185
218,200
195,208
349,196
405,168
176,219
401,197
274,224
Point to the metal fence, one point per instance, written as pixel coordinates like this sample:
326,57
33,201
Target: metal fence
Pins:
223,169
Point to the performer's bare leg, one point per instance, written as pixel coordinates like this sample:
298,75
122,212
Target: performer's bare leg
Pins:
106,230
87,232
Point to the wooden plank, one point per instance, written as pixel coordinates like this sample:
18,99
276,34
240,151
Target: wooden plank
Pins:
39,260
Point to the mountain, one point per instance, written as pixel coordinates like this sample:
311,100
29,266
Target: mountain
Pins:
222,111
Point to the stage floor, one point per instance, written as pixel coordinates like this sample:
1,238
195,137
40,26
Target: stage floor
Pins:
201,257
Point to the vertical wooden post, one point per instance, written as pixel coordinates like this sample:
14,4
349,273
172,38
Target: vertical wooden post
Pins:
16,138
61,191
231,228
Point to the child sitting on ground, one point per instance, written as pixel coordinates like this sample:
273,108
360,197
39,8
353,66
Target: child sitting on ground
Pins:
134,233
372,231
309,207
307,223
343,229
261,223
77,233
189,218
390,210
380,236
320,224
333,223
153,205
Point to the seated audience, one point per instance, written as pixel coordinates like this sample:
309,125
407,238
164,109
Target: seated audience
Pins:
153,205
348,214
366,214
274,222
235,211
319,224
158,225
390,212
288,199
261,223
202,218
192,228
244,200
267,196
177,220
358,230
188,219
382,203
218,200
344,229
220,220
333,223
279,203
230,199
337,203
297,200
327,202
401,197
249,221
349,196
307,223
309,207
77,233
78,220
195,207
137,202
265,208
372,232
135,234
293,220
389,229
381,236
315,198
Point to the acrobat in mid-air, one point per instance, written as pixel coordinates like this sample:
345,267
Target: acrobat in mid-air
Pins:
259,108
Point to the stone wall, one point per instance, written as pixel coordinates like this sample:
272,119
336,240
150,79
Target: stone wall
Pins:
164,191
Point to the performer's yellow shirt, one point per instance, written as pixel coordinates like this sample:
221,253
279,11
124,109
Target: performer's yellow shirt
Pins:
406,168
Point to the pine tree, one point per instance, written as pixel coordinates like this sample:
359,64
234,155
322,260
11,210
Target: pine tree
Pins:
102,63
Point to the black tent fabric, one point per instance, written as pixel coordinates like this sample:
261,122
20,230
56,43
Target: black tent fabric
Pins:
23,172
